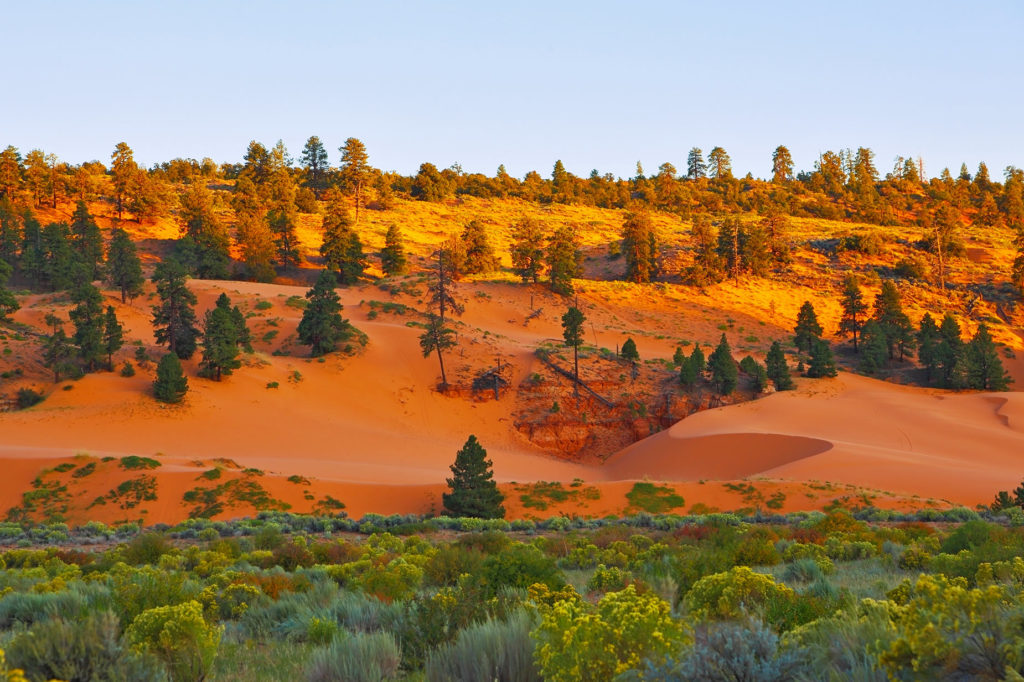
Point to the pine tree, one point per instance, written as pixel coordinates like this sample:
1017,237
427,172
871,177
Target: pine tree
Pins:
8,303
205,238
639,246
572,333
678,358
695,166
174,319
171,384
473,490
314,159
782,165
728,247
322,326
58,260
33,251
723,368
807,328
896,326
719,164
951,353
259,250
691,368
873,352
355,169
480,256
527,249
87,241
113,336
10,234
437,338
564,260
853,309
629,351
756,371
985,370
393,260
755,256
928,339
122,169
57,353
124,269
220,343
777,369
1017,275
342,249
242,333
822,363
707,267
442,288
282,217
87,316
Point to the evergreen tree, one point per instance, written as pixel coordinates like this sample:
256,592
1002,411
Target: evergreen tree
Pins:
564,260
1017,274
695,166
33,251
639,246
437,338
171,384
985,370
719,164
775,226
174,319
697,359
442,289
896,326
393,260
342,249
220,343
282,217
10,172
88,242
122,171
480,256
8,304
807,328
124,269
728,248
572,332
951,353
755,256
777,369
706,262
113,336
87,316
205,238
629,351
822,363
58,260
782,164
678,358
243,335
873,352
473,490
314,159
723,368
527,249
928,339
756,371
853,309
322,326
355,169
57,353
10,234
259,250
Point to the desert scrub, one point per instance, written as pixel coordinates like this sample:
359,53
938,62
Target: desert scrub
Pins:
179,636
135,462
654,499
361,657
491,650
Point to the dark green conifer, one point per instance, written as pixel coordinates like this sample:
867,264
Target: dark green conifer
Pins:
822,363
171,384
174,319
807,328
777,369
322,325
724,373
473,490
124,269
87,316
113,336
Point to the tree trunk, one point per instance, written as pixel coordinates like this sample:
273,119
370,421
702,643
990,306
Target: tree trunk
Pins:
440,359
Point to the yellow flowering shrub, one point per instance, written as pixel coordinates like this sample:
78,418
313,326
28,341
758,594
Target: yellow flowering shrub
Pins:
734,594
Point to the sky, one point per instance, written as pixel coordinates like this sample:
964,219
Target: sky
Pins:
599,85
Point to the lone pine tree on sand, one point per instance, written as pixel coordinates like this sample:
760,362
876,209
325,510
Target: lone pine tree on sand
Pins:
473,490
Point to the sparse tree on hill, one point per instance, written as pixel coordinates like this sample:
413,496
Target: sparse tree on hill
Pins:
985,371
853,309
87,316
57,352
807,328
122,170
480,256
88,242
243,335
640,248
393,259
174,319
1017,276
775,225
564,260
874,352
259,251
951,353
113,336
314,159
205,238
171,384
256,163
124,269
928,340
947,224
822,363
8,303
695,166
782,164
629,351
220,343
719,164
473,490
894,323
10,234
282,217
437,338
527,249
706,263
10,172
724,373
572,332
342,249
355,170
322,326
32,261
728,247
442,289
777,369
755,254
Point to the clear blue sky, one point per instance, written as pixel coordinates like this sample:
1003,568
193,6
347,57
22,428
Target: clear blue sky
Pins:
596,84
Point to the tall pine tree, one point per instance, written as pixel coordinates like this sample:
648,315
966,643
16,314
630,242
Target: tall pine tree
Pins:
473,490
124,269
322,326
174,319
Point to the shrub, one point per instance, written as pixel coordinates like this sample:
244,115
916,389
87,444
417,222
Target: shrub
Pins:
180,637
520,566
32,607
492,650
358,658
607,579
577,642
127,370
26,398
734,594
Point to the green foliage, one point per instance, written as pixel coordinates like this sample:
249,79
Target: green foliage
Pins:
360,657
174,320
629,351
171,385
491,650
724,372
393,259
322,326
822,362
473,490
777,369
179,636
654,499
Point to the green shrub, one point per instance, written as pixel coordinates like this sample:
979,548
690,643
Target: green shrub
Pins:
127,370
492,650
360,657
520,566
26,398
180,637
